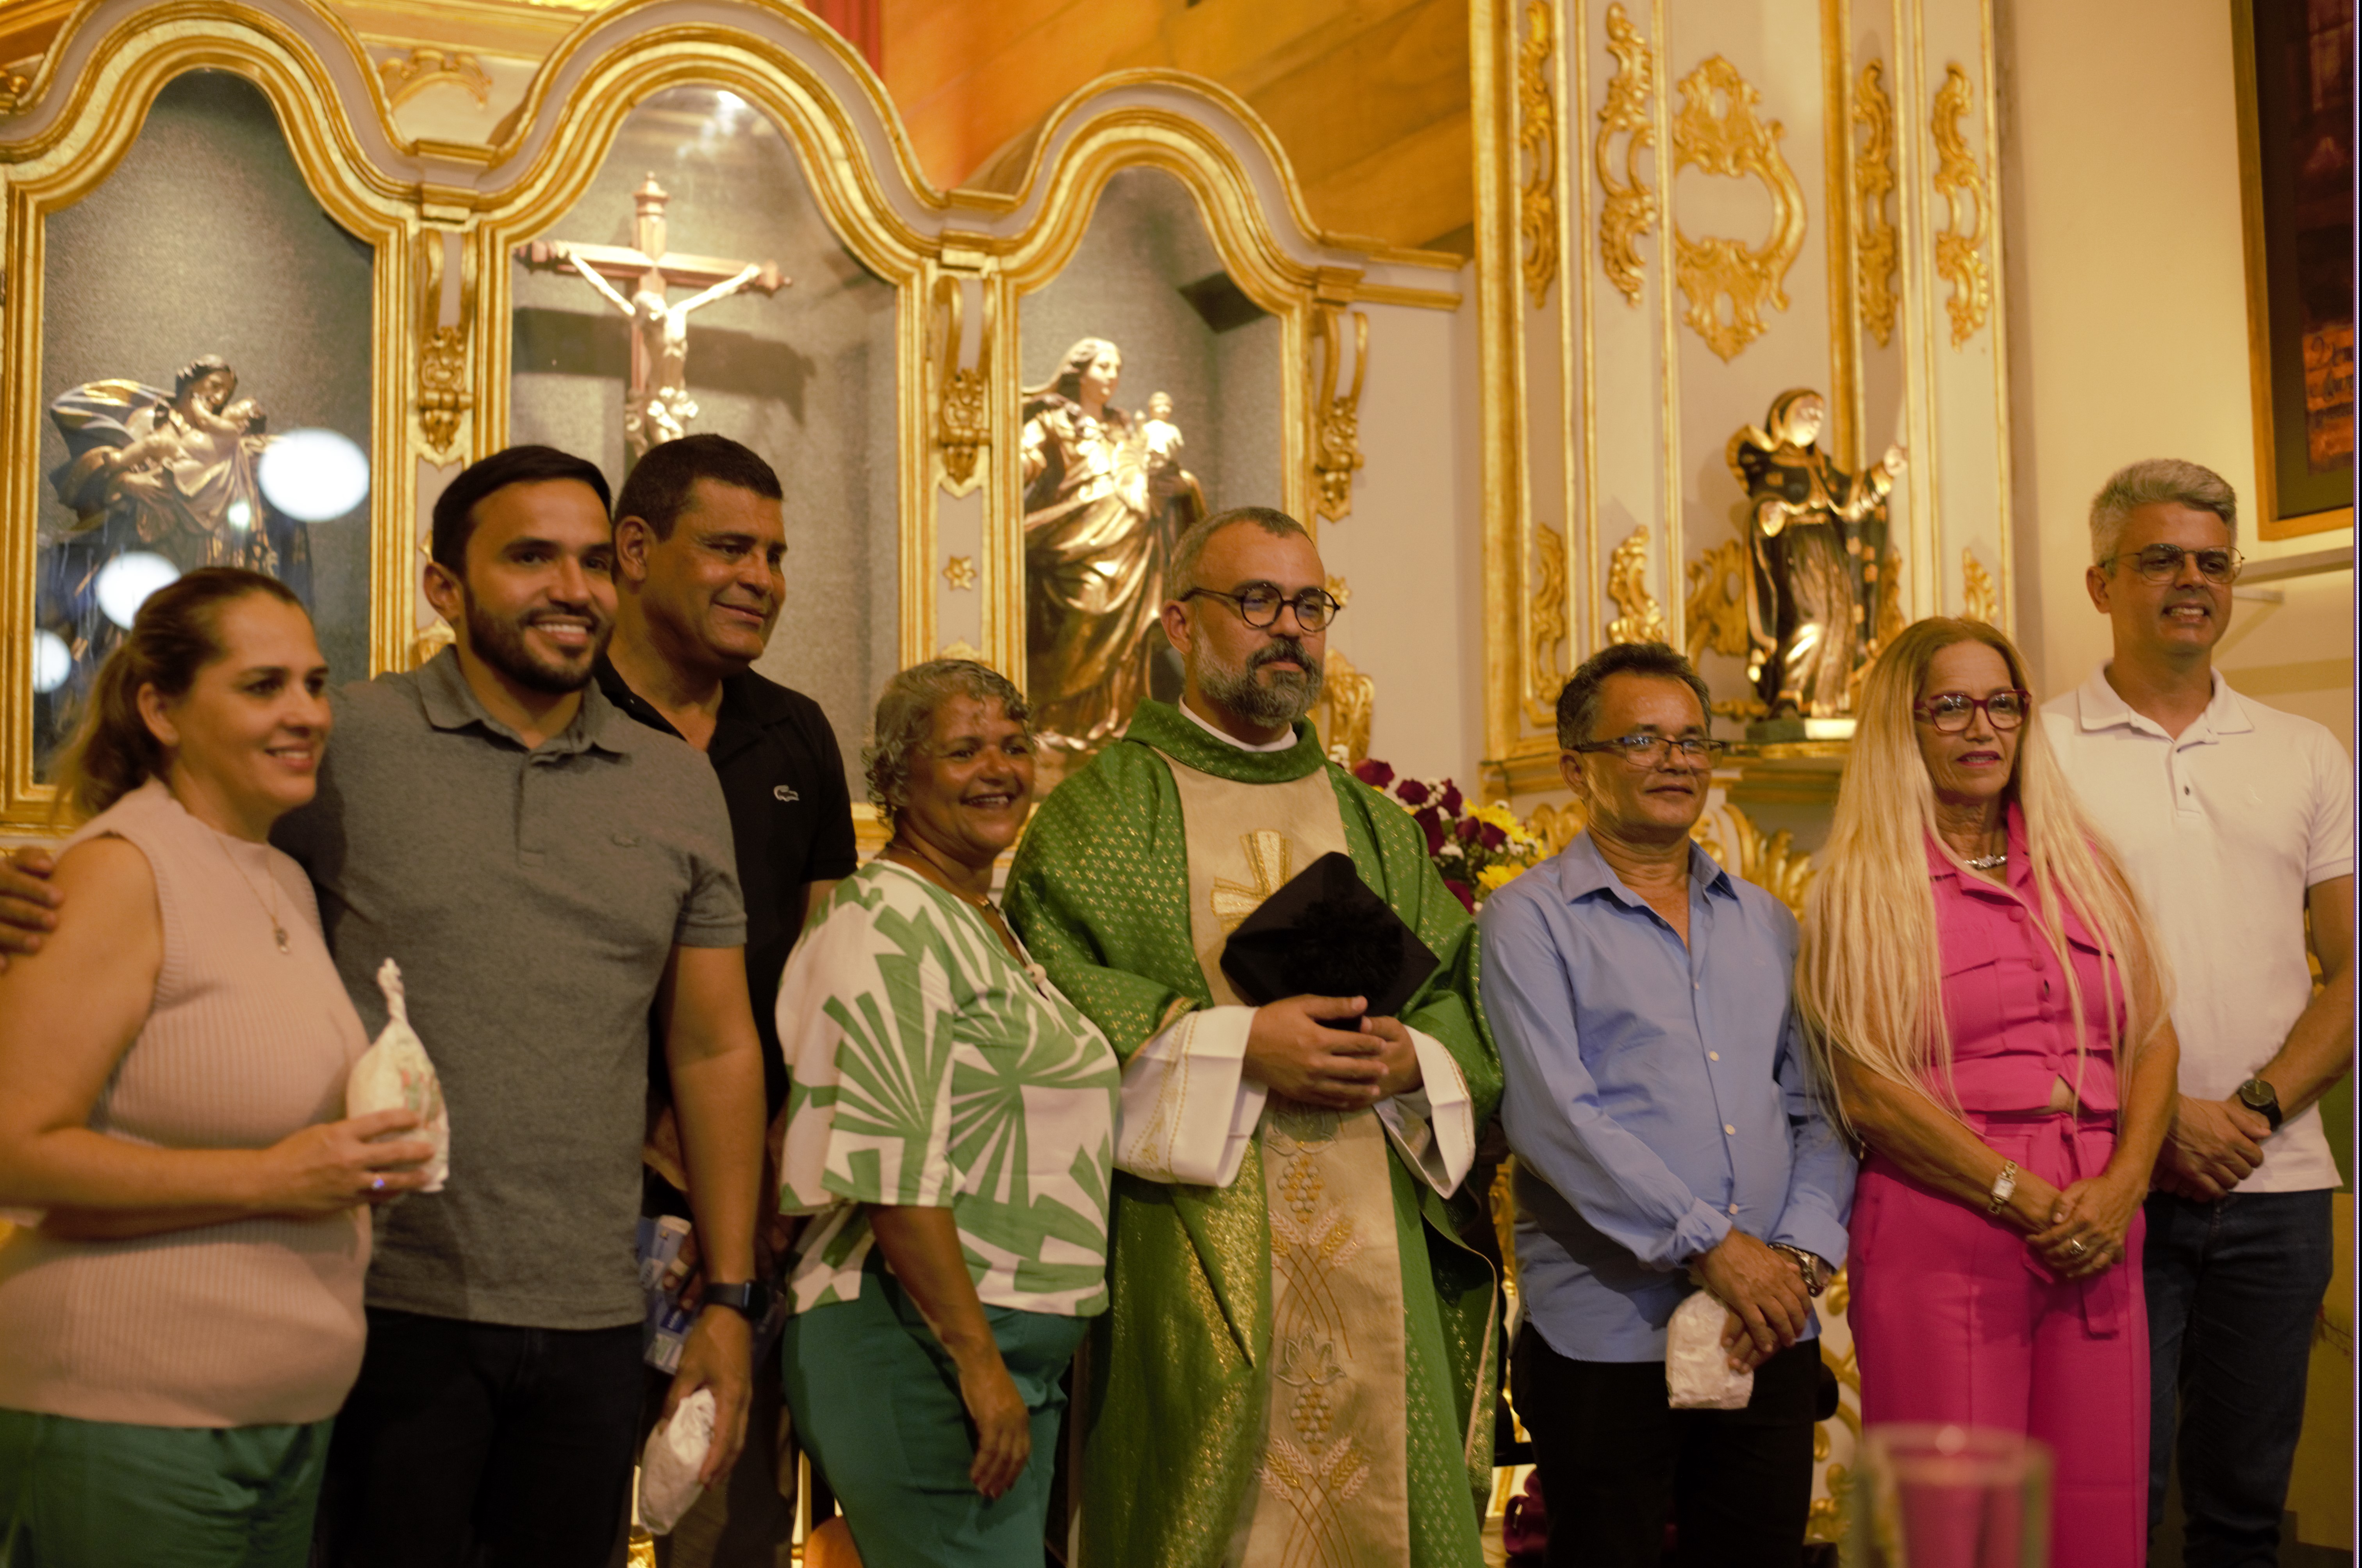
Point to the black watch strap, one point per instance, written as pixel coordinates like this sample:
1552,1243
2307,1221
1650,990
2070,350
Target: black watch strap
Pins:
750,1299
2261,1097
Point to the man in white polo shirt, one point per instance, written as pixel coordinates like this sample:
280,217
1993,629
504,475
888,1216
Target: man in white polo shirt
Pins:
2235,821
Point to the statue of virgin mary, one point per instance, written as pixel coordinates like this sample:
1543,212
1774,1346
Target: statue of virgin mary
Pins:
1104,502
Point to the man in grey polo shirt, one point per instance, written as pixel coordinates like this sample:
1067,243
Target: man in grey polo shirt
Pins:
544,870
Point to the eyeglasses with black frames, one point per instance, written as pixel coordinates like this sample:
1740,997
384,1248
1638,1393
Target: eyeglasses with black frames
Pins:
1654,751
1949,711
2162,563
1259,604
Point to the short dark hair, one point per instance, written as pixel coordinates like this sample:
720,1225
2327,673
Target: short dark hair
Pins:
658,485
1578,700
455,509
1182,575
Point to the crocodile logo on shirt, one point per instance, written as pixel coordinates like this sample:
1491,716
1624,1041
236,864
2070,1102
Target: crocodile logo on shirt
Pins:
784,794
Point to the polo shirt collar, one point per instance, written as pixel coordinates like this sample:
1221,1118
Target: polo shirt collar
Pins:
2099,706
1582,871
450,703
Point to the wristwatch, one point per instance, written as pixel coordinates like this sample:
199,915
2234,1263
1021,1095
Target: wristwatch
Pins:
749,1301
2263,1100
1807,1265
2004,1187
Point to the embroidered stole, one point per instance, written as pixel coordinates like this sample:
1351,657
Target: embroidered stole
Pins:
1334,1488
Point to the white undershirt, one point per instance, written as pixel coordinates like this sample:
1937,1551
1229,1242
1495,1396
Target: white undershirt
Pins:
1284,743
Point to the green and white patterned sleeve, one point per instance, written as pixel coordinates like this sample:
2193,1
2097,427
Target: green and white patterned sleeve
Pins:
865,1021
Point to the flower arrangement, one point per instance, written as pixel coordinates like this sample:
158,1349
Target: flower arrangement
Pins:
1479,849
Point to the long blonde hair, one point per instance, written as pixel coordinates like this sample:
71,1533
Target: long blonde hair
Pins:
1868,973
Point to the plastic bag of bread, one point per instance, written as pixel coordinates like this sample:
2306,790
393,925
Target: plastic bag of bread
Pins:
668,1465
1698,1374
394,1074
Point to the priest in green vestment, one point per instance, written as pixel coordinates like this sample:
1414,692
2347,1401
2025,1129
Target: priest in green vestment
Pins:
1299,1360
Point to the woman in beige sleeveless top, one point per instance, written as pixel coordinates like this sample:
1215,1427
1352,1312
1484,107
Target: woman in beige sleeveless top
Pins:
180,1312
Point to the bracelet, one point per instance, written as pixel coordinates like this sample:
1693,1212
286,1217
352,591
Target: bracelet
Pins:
2003,1185
1807,1264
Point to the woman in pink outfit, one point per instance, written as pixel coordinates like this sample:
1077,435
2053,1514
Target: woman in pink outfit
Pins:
1980,984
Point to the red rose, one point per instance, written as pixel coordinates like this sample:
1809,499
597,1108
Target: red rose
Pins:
1410,791
1374,772
1431,822
1490,836
1468,828
1461,891
1452,801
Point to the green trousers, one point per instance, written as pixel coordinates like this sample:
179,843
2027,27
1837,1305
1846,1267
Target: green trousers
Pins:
77,1494
876,1404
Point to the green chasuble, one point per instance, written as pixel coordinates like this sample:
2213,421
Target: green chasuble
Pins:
1175,1421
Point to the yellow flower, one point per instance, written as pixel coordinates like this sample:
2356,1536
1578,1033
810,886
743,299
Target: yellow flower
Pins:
1500,816
1494,878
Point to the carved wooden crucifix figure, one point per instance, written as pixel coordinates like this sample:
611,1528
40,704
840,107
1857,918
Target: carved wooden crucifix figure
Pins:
657,407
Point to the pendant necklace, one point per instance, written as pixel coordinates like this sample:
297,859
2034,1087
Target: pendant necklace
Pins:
278,927
912,861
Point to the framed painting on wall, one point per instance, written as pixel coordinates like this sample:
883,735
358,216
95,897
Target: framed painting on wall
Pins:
2296,135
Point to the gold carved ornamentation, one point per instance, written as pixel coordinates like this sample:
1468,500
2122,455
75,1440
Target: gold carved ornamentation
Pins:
962,425
1734,143
964,649
431,641
1891,621
1746,851
12,92
960,571
1978,599
1556,826
1873,181
1340,592
1545,674
1959,258
1719,584
1538,141
1638,620
443,396
423,68
1629,209
1337,436
1348,700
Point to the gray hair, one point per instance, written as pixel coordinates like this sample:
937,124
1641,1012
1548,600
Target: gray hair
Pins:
1181,575
2157,480
906,718
1578,700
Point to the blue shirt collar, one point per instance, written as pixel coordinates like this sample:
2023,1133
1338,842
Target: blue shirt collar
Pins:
1582,871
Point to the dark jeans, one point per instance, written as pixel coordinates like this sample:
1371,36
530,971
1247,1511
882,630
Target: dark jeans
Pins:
2232,1288
483,1445
1615,1459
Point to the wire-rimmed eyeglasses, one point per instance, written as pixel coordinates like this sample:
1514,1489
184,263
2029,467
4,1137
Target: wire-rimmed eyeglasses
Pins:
2162,563
1258,605
1949,711
1653,751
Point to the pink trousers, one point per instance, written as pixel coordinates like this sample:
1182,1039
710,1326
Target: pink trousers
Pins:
1954,1320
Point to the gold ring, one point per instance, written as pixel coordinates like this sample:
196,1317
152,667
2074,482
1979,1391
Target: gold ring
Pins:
2076,1247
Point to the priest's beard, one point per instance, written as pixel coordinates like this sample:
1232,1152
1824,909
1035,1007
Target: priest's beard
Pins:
1282,698
499,642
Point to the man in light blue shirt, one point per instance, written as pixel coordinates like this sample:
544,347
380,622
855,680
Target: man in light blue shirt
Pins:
1665,1129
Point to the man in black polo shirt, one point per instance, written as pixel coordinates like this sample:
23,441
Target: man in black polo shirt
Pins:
699,540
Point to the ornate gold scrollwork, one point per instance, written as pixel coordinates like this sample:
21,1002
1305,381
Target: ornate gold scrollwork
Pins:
1716,616
1349,699
964,649
1979,601
1748,852
1638,620
1544,673
12,88
962,423
1337,433
1340,592
1556,826
1873,181
443,396
960,572
1538,141
1629,208
1734,143
1958,249
423,68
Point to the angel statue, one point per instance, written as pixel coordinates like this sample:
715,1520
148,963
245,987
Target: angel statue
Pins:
1104,502
164,473
1823,572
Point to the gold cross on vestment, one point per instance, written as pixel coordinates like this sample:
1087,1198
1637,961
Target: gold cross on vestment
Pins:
1267,857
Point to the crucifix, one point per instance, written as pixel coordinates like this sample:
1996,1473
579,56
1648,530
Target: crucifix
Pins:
657,407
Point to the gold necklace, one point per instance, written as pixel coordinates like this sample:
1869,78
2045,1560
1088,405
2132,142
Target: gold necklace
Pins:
278,927
911,859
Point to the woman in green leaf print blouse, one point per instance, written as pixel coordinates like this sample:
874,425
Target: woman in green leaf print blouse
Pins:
951,1128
